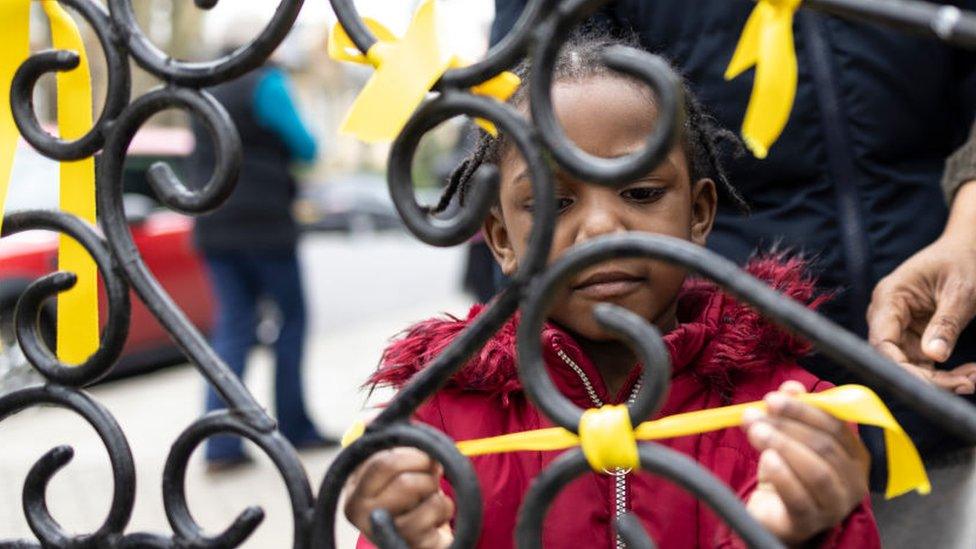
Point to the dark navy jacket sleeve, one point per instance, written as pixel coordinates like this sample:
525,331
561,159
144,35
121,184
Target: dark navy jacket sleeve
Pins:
506,14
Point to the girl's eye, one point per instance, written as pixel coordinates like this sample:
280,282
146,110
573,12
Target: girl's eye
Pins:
561,204
643,194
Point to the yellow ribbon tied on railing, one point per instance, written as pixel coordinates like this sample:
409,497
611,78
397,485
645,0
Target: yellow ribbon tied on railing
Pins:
767,44
608,442
77,322
406,70
14,23
607,438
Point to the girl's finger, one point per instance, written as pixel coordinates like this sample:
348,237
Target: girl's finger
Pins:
439,538
851,470
792,387
383,467
822,483
775,473
431,514
405,492
437,469
781,405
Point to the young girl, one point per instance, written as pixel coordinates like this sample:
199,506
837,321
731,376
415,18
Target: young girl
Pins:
800,472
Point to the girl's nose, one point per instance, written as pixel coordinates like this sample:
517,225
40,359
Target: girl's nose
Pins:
598,219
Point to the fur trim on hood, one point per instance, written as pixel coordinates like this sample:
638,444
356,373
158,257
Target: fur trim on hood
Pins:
717,336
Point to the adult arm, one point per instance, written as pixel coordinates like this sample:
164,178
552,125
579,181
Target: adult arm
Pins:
275,111
960,168
918,311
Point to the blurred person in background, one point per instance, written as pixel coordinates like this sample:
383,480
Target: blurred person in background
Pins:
249,243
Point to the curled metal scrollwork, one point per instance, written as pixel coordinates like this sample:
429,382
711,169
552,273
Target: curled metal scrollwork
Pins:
625,325
177,195
843,347
656,459
121,267
208,73
47,530
827,337
539,32
29,306
164,182
116,97
457,470
644,66
188,532
533,289
484,185
652,354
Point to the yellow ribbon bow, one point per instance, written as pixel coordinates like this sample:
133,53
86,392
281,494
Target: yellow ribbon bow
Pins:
77,322
406,70
607,444
767,43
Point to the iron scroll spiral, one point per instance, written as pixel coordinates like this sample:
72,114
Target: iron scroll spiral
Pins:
29,307
208,73
63,381
116,96
644,66
121,267
540,30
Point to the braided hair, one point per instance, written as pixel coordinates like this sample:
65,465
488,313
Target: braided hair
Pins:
579,59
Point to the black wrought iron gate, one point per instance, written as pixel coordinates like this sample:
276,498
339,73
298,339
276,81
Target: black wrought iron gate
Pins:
539,32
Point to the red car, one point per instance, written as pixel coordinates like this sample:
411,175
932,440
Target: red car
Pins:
164,239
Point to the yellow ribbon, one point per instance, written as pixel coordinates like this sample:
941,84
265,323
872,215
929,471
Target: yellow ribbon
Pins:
607,438
77,308
767,43
14,24
854,403
406,70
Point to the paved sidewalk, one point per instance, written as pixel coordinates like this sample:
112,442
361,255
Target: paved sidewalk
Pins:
154,409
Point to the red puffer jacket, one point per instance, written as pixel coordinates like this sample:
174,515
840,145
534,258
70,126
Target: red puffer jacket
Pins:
722,352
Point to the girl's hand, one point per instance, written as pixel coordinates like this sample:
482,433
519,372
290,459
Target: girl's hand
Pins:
813,470
405,482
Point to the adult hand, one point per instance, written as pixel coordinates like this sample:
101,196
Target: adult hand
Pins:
406,483
918,311
813,470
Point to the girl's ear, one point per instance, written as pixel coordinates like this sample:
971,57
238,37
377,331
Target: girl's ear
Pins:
704,202
496,236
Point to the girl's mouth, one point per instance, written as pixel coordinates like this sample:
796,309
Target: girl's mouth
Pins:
606,285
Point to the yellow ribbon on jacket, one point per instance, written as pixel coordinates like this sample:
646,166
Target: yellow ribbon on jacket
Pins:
406,70
767,44
77,322
854,403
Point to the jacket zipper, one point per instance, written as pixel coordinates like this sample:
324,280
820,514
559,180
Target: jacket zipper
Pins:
840,167
619,475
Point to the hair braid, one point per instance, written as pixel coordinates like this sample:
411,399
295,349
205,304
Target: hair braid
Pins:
705,138
457,181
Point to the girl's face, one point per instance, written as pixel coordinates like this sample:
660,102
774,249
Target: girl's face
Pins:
607,117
